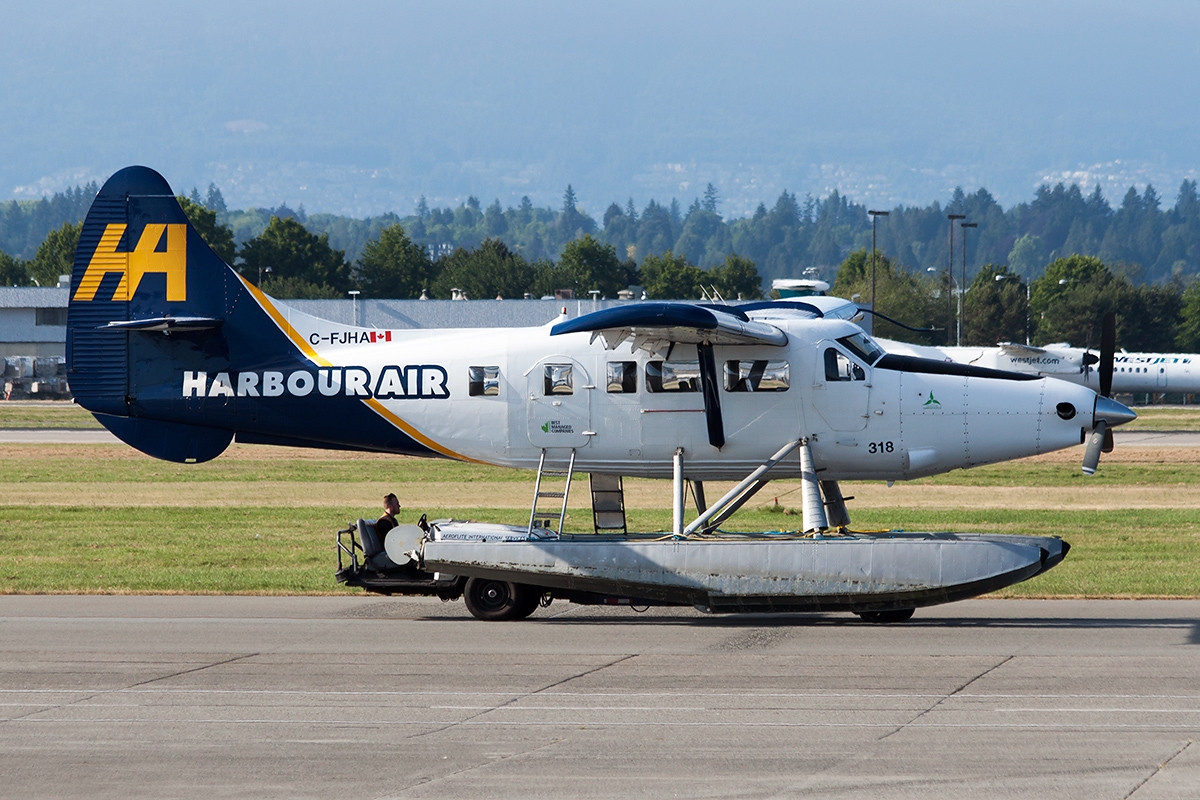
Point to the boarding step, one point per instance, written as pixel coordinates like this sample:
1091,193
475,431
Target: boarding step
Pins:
608,503
543,519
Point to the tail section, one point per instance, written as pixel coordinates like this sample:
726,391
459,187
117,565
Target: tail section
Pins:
159,329
138,260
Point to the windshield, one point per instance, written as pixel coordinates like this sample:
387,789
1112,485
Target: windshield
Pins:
861,345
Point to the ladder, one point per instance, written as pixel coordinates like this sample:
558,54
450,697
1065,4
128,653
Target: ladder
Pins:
608,503
540,519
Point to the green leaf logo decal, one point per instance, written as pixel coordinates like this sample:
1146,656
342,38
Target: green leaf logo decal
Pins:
546,428
932,402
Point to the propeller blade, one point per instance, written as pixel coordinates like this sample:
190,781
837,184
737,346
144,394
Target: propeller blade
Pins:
1091,456
1108,441
1108,347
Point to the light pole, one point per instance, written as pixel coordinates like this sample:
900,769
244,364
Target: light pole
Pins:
874,215
354,304
261,270
1028,286
950,275
963,285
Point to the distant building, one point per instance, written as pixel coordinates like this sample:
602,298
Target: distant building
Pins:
33,337
33,321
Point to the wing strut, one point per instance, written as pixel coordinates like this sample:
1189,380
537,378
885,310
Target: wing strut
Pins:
712,395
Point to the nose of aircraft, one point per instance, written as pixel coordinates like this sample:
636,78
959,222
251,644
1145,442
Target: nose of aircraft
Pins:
1112,412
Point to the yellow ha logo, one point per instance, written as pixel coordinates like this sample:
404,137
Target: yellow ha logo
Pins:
133,265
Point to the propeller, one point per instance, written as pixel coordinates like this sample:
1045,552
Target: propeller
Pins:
1108,347
1108,412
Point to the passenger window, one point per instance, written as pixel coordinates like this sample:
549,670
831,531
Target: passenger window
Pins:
622,377
483,381
558,379
757,376
673,376
838,367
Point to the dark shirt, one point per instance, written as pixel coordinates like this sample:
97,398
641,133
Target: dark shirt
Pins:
383,525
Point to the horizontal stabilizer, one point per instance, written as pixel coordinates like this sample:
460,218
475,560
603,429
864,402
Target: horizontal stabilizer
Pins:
165,324
656,325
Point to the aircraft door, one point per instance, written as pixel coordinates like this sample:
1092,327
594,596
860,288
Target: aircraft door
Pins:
841,388
559,397
1160,380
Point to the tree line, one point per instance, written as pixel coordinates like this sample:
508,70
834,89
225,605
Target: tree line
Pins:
1056,263
1064,304
290,261
1139,238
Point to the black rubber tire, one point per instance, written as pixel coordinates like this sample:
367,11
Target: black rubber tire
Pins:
887,617
497,601
529,599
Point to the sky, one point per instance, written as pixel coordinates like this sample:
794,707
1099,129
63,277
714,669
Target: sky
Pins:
363,107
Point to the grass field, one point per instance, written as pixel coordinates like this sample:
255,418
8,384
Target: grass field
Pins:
48,414
58,414
104,518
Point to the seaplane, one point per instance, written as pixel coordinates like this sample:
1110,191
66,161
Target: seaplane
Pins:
178,355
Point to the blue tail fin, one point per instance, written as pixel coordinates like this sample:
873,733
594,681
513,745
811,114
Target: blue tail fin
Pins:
139,262
159,328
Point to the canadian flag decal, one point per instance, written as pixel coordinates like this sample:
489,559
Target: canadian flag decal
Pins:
381,336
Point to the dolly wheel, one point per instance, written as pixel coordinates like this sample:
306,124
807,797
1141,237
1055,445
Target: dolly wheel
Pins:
884,617
494,600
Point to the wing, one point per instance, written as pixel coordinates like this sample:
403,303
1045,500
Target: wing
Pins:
1015,349
654,326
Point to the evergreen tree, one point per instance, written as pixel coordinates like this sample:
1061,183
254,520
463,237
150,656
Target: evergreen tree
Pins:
736,279
995,308
392,266
671,277
1187,337
1070,300
292,251
491,270
13,271
56,255
588,264
914,300
218,237
215,201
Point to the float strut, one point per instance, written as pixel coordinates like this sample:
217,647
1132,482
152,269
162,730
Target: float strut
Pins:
835,504
814,509
751,480
680,492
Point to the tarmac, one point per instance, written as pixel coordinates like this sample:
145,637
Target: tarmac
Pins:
371,697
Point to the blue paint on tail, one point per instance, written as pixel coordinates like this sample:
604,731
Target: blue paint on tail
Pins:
139,259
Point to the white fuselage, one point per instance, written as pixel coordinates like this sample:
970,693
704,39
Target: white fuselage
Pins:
501,396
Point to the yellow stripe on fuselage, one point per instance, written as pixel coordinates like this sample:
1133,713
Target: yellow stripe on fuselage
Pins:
316,358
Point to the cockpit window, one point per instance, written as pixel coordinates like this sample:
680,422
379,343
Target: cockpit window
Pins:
861,345
838,367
